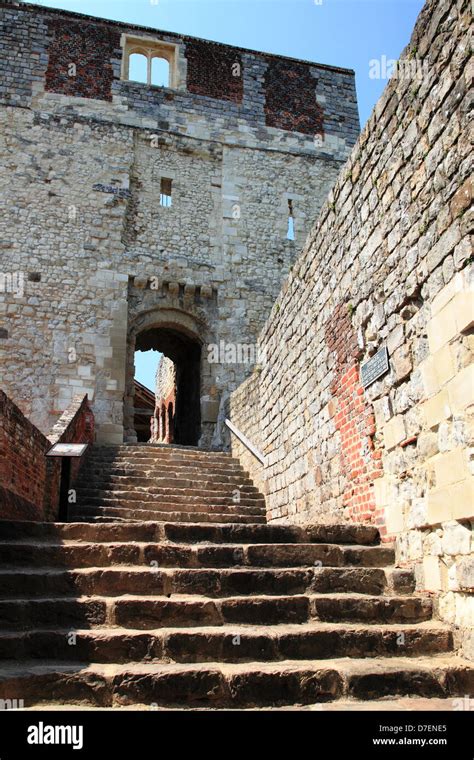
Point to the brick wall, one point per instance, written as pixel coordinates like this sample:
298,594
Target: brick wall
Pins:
29,482
89,48
354,423
264,90
211,70
22,465
387,265
290,101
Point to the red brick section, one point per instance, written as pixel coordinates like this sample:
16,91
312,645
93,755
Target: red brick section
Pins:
90,47
361,462
22,464
29,482
76,425
211,71
163,404
291,103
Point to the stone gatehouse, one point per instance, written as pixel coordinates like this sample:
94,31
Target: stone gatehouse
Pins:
139,216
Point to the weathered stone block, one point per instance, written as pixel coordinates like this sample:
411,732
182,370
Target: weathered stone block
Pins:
431,574
394,432
437,409
460,389
465,573
450,467
456,538
463,499
442,327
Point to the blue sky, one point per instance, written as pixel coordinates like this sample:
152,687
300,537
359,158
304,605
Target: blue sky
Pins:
347,33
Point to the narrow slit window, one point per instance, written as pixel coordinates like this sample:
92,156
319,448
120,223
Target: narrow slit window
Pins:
165,192
291,222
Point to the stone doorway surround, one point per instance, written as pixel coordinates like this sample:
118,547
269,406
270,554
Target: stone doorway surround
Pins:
182,337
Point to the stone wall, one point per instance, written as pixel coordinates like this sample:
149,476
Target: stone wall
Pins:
244,405
165,395
93,257
387,265
165,378
29,482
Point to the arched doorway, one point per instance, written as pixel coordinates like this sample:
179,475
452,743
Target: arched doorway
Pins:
176,336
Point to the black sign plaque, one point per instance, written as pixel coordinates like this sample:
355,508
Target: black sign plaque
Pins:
374,368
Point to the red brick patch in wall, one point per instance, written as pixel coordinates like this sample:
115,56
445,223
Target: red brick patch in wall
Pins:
29,482
90,48
211,71
291,104
23,465
353,417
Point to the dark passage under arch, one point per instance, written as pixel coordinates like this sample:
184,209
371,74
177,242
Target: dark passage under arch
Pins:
185,352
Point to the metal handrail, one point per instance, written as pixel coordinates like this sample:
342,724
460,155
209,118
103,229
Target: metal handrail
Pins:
243,439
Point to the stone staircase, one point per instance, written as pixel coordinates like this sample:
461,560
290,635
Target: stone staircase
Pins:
171,483
182,615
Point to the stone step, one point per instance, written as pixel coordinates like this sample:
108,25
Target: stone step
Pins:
150,470
191,452
303,641
195,533
154,458
168,465
218,582
155,496
235,685
144,612
226,515
146,509
82,554
385,704
124,481
157,459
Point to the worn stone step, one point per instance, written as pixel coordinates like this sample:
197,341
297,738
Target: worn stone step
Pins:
146,461
226,643
385,704
144,612
153,486
167,467
56,611
235,685
153,531
156,497
81,554
106,480
86,512
161,449
148,510
210,582
154,458
224,476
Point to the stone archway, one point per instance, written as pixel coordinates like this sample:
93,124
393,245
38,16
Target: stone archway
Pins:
179,336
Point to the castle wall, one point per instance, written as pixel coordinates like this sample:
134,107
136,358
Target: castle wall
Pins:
387,265
85,242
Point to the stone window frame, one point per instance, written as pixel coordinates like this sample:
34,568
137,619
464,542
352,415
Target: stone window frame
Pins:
150,48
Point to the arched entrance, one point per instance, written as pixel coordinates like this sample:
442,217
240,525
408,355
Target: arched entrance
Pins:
177,336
